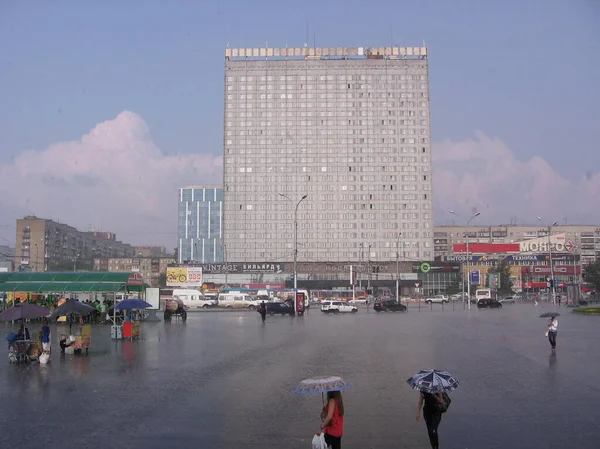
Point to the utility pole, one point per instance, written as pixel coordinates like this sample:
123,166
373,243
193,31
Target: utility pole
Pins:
398,268
369,269
468,257
551,264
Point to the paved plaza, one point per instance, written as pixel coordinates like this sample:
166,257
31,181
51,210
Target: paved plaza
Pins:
222,380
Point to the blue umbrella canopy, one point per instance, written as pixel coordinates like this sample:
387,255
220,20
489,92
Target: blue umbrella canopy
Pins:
24,311
321,384
433,381
130,304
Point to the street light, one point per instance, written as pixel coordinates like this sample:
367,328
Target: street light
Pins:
295,240
397,268
75,262
468,258
37,263
551,264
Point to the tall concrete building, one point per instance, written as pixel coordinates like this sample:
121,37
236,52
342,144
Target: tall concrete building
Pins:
200,228
347,127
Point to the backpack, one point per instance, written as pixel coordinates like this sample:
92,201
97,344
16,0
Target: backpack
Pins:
443,408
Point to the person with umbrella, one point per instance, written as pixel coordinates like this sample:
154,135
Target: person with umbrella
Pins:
332,414
552,327
433,399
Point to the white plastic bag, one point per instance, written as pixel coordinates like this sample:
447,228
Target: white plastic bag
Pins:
318,442
44,358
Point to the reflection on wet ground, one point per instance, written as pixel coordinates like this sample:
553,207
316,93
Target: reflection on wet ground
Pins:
223,380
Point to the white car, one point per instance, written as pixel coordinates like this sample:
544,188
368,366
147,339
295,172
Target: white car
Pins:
337,307
510,299
438,299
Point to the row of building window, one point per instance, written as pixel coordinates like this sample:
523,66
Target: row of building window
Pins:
244,113
344,77
240,101
374,142
329,151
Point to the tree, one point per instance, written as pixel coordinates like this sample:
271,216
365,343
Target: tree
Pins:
503,272
454,288
591,275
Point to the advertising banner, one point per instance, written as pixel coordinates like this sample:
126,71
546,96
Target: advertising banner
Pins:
184,277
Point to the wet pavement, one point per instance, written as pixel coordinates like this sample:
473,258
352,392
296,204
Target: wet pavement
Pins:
222,380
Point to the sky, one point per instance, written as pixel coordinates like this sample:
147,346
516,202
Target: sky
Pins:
108,107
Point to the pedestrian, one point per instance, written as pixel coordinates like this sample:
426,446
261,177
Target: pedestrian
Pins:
429,403
552,331
46,337
263,311
333,420
559,299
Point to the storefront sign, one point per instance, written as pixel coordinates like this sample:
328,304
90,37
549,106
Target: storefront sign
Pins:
245,267
435,267
557,243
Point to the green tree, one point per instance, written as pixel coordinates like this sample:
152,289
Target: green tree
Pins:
591,275
503,272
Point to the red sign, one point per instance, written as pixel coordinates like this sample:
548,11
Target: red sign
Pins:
487,248
545,269
135,279
300,302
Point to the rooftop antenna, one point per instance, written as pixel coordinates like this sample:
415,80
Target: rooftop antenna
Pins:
314,40
306,40
391,36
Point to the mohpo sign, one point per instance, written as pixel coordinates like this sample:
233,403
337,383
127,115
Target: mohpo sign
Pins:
535,246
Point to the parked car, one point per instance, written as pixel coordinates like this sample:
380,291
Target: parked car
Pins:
337,307
237,301
510,299
389,305
193,299
277,308
439,299
488,303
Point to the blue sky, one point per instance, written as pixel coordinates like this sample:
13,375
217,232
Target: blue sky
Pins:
524,73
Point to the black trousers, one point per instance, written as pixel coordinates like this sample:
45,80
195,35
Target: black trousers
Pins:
333,442
552,339
432,420
263,316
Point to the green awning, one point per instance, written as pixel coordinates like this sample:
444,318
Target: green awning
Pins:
65,287
70,277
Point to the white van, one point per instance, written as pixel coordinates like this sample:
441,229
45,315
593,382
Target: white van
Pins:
485,293
237,301
193,299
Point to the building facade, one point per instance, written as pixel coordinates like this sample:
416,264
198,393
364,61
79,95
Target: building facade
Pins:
150,268
349,128
46,245
200,227
580,240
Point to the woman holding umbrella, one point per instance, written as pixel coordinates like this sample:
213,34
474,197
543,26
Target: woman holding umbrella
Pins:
552,331
432,386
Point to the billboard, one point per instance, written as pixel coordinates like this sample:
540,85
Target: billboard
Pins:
184,277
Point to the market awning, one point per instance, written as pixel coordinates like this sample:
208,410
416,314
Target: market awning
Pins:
65,287
83,282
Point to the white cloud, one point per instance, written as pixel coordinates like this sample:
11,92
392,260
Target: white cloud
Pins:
483,174
114,178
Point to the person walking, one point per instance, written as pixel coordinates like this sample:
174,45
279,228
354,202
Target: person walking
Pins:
46,337
333,420
552,331
429,403
263,311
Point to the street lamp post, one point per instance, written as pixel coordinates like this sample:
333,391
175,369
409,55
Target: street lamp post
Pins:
369,270
550,254
468,258
397,268
295,241
37,262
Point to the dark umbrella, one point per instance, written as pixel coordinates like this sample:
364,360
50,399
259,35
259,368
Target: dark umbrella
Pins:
433,381
130,304
24,311
73,307
549,315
